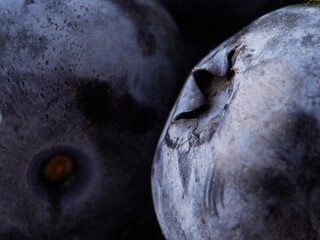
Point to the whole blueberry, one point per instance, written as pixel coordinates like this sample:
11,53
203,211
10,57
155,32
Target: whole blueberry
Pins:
85,87
240,155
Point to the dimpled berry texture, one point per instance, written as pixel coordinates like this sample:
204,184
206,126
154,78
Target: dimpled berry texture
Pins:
240,154
89,79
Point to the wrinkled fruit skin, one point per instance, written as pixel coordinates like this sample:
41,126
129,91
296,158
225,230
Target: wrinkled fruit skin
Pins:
87,84
240,155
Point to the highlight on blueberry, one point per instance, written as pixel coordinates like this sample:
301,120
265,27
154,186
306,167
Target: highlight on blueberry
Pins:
239,157
85,88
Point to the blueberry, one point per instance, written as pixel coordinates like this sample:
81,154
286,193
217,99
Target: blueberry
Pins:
240,155
85,88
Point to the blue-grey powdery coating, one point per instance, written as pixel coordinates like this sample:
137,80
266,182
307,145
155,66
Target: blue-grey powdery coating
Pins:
239,157
85,88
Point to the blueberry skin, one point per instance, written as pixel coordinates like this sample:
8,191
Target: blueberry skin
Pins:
239,157
93,81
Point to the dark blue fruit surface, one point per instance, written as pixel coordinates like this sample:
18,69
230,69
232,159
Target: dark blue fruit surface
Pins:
239,158
85,87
